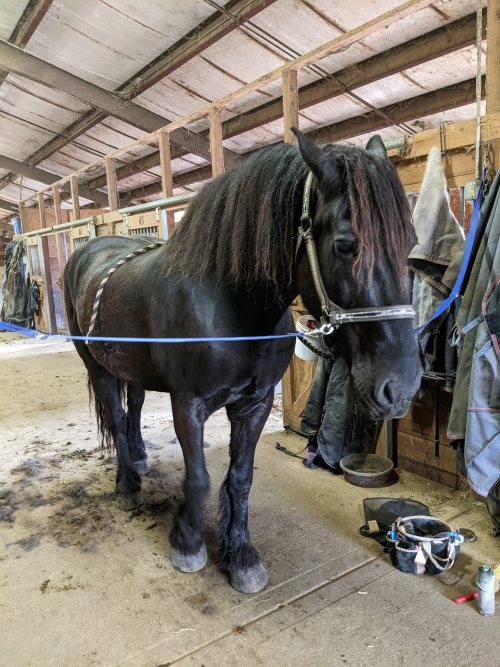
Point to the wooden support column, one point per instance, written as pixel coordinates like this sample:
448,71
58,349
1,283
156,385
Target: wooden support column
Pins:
493,58
290,105
216,147
41,210
22,216
48,290
56,194
73,181
493,67
166,175
113,199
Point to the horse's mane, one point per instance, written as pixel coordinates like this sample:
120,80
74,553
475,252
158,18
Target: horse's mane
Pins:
241,227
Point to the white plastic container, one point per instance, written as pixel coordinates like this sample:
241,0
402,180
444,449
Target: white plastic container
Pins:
301,351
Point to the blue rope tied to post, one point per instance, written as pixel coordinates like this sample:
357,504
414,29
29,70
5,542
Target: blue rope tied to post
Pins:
471,237
33,333
443,306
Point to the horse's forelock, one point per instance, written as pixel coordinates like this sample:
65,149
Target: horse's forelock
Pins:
380,215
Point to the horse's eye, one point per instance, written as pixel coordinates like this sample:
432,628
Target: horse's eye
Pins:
345,247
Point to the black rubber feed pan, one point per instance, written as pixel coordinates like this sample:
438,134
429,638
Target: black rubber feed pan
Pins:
367,470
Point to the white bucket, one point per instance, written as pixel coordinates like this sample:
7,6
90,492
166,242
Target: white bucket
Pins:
301,351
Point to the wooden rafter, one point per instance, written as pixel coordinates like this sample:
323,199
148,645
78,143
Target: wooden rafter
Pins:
9,206
30,19
432,45
42,176
409,8
426,104
205,34
434,102
24,64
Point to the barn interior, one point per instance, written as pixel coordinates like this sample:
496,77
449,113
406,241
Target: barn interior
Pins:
113,115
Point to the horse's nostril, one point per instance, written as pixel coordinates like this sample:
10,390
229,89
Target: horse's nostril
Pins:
388,393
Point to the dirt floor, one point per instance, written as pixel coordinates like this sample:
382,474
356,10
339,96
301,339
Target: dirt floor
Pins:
82,583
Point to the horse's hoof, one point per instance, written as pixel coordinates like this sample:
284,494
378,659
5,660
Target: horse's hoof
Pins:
252,580
188,562
130,502
142,466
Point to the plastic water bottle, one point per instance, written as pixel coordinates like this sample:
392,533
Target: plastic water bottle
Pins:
486,589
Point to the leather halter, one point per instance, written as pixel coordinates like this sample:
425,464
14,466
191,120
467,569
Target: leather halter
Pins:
332,315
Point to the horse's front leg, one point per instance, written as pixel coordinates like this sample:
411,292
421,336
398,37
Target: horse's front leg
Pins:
239,558
187,549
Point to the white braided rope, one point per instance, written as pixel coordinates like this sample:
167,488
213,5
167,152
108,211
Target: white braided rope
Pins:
102,284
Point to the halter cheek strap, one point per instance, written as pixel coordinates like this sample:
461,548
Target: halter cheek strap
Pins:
332,315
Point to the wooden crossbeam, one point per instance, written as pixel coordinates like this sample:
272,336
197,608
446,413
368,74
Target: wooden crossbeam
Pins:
42,176
444,40
200,38
9,206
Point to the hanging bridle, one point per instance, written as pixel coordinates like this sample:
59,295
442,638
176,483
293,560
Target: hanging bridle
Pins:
332,315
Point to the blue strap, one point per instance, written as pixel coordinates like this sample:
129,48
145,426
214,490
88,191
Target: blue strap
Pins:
455,292
33,333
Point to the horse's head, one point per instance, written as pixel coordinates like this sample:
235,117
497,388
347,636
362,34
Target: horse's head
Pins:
361,224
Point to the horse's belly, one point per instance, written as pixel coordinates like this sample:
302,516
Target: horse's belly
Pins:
129,365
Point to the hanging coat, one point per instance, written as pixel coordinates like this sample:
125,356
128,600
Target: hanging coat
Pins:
440,240
475,412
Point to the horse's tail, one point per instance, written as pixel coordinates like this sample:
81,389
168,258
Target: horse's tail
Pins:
105,436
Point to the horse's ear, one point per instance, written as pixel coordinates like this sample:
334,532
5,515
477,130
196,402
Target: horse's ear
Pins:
312,154
376,145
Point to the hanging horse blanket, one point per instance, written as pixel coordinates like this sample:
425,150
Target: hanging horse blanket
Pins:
475,413
440,240
14,290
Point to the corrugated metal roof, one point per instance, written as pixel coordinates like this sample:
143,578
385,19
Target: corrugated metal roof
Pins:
106,42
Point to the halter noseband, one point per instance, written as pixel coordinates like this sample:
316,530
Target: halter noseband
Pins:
332,314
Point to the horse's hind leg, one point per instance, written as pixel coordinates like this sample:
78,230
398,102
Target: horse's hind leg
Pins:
136,448
187,549
239,558
128,482
107,394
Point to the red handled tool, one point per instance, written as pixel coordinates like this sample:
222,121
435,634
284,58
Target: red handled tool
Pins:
466,598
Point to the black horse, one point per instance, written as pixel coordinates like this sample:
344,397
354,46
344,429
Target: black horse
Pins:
232,268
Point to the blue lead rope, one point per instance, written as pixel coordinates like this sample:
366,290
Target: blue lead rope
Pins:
33,333
471,236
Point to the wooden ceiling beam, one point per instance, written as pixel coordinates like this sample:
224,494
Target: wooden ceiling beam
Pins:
454,36
46,177
427,104
440,42
204,35
9,206
24,64
30,19
443,99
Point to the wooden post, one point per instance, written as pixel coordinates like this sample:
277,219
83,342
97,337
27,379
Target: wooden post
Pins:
166,176
56,194
73,181
493,67
41,210
290,105
22,216
48,289
216,147
493,58
113,198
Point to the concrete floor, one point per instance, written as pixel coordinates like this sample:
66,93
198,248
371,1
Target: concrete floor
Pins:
82,583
